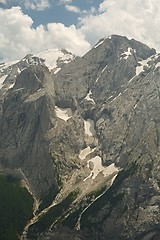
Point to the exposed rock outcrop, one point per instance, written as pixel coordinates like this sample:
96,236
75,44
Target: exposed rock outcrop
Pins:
88,141
27,115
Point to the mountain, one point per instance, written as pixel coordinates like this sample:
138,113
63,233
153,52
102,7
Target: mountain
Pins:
54,59
85,143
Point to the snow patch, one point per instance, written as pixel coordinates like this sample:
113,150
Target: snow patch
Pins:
139,69
104,68
135,106
85,152
116,97
97,168
2,80
39,80
146,61
52,55
98,78
157,65
132,78
63,113
88,98
110,169
127,53
109,97
101,73
11,86
143,63
99,43
89,128
40,89
19,71
57,70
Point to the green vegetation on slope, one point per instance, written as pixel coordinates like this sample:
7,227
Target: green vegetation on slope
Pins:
111,196
72,219
15,208
54,215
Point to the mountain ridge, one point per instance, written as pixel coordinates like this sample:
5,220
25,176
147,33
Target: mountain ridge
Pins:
87,141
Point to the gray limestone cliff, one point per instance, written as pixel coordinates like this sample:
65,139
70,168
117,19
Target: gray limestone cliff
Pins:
27,115
87,140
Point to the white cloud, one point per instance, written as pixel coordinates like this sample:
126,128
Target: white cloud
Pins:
134,19
38,5
72,8
67,37
17,37
65,1
3,1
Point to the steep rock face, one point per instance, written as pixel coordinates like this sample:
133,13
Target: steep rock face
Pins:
91,141
103,70
117,85
54,59
27,115
9,71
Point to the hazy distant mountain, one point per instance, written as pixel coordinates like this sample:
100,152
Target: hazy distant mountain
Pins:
85,141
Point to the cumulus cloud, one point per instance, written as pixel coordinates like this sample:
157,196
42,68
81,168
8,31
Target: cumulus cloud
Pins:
65,1
38,5
72,8
134,19
17,37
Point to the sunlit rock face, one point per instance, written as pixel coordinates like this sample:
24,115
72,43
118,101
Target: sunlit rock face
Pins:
86,140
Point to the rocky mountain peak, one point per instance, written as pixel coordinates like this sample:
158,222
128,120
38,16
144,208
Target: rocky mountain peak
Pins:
115,48
86,141
54,59
34,79
106,68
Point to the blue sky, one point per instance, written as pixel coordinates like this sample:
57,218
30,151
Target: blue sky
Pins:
55,11
31,26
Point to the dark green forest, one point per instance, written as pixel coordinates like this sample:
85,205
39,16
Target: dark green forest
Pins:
15,207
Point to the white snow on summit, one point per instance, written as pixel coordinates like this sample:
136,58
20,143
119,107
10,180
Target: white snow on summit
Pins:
101,41
53,57
143,63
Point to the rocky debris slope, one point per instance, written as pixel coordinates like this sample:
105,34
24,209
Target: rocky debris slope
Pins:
87,142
